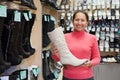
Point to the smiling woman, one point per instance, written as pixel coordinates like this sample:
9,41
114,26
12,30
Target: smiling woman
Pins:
80,20
82,45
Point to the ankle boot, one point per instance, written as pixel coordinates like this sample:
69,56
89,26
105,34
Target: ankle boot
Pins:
29,3
66,57
26,35
20,48
11,47
3,64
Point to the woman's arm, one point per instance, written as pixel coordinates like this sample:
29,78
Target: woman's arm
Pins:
95,53
54,52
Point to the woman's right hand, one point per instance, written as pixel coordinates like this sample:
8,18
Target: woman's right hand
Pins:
54,50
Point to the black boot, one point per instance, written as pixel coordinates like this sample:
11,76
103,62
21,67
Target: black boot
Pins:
47,26
19,43
53,3
11,47
32,50
27,33
29,3
17,75
3,64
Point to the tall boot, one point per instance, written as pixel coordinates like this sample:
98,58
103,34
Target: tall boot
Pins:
27,34
11,48
29,3
66,57
3,64
20,48
32,50
47,26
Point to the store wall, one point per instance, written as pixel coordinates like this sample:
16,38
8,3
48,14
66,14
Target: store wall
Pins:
34,59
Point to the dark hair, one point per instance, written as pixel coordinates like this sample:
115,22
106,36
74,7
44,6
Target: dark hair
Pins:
87,17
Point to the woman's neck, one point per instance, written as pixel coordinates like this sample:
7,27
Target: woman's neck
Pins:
78,33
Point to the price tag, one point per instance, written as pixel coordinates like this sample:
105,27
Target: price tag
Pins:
23,74
62,7
103,6
38,70
89,6
34,72
80,8
95,17
53,19
3,11
113,17
56,74
98,7
75,8
30,15
113,6
18,79
119,31
108,5
17,16
109,17
26,16
94,6
84,7
116,49
67,6
117,6
4,78
117,17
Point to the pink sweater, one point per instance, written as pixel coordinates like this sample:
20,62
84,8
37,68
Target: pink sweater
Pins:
82,45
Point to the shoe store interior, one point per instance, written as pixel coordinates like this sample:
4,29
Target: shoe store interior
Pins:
35,32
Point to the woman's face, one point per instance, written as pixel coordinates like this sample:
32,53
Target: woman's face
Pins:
80,22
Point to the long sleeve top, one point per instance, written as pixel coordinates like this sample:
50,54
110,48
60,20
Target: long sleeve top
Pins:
83,46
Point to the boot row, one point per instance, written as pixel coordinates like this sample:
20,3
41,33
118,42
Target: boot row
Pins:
28,3
15,42
30,72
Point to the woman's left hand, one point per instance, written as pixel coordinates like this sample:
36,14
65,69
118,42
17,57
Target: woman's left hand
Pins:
87,64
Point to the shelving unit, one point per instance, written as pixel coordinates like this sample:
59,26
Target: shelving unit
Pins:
35,39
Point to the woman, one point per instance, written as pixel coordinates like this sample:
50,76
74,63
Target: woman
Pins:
82,45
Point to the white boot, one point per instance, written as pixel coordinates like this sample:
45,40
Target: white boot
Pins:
66,57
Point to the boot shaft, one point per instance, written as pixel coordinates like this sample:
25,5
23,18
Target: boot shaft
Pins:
10,38
1,30
66,57
27,34
14,29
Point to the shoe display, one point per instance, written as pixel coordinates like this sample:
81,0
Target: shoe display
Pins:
106,46
112,45
29,3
